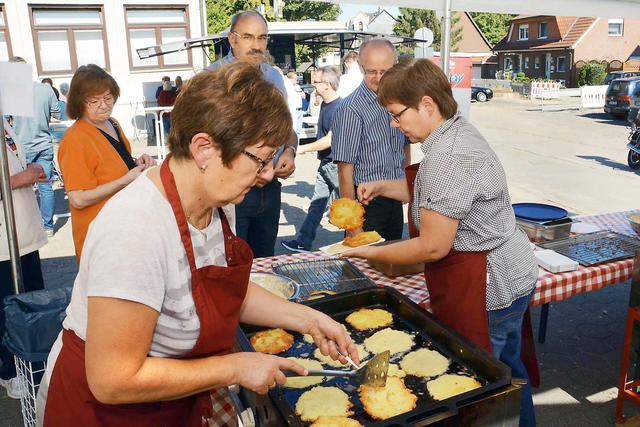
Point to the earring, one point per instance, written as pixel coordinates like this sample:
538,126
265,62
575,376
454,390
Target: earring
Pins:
203,168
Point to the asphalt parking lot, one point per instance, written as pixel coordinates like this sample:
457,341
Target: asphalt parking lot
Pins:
567,157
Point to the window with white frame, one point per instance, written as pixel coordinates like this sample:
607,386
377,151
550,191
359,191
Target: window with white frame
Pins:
5,41
68,37
148,26
523,32
561,66
616,26
507,63
542,30
536,62
526,62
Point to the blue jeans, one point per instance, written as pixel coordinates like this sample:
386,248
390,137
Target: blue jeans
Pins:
505,332
258,216
326,183
47,199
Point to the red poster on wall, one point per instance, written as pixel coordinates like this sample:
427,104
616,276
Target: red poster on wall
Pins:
460,72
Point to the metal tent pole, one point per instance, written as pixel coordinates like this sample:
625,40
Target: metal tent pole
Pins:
9,218
445,41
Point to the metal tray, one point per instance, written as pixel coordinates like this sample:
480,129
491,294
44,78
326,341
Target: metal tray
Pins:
466,358
595,248
540,232
333,274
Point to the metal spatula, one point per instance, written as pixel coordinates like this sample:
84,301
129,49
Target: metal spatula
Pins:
374,373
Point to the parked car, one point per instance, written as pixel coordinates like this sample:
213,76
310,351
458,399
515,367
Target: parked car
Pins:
621,95
481,94
612,75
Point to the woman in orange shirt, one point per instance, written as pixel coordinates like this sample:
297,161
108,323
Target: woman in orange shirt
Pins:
94,155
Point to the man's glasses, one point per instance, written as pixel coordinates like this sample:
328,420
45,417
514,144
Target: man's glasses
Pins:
258,160
95,102
396,117
372,73
250,38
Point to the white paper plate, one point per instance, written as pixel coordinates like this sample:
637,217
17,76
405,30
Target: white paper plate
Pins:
338,248
584,227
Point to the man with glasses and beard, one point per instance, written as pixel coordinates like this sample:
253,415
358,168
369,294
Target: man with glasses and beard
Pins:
366,147
258,215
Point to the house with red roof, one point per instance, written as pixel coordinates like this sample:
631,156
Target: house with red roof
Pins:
556,47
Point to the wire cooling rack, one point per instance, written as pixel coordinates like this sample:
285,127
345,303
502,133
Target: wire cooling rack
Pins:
595,248
334,274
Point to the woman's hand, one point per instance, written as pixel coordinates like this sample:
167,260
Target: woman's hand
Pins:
259,372
330,336
146,161
360,252
368,191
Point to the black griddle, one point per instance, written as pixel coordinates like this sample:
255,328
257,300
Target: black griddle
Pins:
466,358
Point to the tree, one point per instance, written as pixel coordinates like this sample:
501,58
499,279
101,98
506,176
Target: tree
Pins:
300,10
493,25
410,20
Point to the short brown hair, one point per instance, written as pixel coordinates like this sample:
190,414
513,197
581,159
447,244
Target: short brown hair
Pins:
88,80
235,105
408,82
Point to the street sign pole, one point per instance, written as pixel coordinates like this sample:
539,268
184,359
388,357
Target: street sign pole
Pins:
9,217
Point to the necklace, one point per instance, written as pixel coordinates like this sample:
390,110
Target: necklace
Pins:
193,224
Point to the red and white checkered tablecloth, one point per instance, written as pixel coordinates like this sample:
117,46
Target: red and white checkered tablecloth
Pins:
550,287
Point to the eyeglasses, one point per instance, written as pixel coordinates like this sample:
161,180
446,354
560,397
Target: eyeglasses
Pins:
371,73
396,117
250,38
95,102
258,160
317,82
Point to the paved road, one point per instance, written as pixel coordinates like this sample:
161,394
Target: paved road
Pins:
575,159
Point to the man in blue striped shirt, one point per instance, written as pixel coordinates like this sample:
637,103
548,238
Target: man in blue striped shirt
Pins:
366,147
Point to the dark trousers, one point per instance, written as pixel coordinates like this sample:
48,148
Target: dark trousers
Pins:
257,218
32,274
384,215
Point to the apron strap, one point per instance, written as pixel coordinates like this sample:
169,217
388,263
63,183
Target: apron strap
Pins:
169,184
230,240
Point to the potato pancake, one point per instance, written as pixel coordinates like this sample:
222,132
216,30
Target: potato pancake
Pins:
388,401
319,401
272,341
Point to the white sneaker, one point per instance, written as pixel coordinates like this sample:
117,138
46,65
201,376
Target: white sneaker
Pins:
15,388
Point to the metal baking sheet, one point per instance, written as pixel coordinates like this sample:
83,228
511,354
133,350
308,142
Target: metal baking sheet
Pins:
595,248
333,274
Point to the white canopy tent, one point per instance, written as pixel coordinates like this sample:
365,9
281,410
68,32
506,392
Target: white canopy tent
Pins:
596,8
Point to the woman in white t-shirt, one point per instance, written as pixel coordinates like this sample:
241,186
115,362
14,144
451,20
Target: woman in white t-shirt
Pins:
163,280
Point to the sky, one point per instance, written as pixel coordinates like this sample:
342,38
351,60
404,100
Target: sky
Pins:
350,10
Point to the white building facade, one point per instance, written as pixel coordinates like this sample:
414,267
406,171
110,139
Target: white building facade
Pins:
57,37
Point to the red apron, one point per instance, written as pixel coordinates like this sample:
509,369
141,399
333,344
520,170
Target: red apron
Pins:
218,293
458,294
457,287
